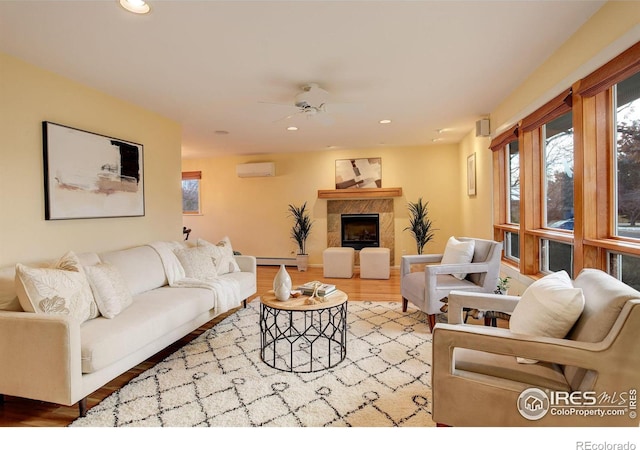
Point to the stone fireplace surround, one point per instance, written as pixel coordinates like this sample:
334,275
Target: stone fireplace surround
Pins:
383,207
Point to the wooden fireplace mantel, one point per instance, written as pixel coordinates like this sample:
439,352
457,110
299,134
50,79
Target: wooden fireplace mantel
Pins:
342,194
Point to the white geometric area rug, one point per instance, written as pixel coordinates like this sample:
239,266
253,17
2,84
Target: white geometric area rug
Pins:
219,380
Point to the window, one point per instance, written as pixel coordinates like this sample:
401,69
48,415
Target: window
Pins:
511,246
556,256
191,192
513,185
627,157
568,189
558,173
506,165
625,268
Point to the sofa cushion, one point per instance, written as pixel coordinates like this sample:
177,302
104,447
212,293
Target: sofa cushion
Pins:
151,315
549,307
59,289
109,289
222,253
197,263
458,252
141,268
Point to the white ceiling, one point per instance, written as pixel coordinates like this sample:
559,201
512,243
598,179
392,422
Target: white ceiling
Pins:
209,65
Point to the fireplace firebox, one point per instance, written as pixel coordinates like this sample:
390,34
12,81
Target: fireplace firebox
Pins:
360,230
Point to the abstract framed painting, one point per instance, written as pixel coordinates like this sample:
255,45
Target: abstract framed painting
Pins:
359,173
471,175
89,175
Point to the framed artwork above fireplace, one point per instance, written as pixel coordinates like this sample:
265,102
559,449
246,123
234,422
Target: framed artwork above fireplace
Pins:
360,173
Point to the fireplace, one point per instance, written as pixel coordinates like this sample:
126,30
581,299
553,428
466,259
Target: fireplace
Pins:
360,230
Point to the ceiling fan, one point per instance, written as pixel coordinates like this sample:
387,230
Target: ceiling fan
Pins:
310,103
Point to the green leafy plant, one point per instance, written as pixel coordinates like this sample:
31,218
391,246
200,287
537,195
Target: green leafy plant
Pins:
419,224
503,285
302,225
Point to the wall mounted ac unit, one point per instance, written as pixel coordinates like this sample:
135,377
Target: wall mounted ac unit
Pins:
266,169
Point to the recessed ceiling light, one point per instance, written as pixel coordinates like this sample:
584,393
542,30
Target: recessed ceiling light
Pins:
385,121
292,128
221,132
135,6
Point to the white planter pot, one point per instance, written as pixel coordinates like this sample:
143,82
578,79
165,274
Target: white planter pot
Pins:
303,262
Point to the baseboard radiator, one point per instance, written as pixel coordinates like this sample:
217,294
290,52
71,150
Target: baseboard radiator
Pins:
266,261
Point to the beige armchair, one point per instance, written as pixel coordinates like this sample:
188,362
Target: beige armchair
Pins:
475,369
425,289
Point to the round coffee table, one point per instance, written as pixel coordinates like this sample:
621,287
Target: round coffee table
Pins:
297,337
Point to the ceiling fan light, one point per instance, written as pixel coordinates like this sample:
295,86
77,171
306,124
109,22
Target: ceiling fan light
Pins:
135,6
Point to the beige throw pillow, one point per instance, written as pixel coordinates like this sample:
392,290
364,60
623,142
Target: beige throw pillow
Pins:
222,253
549,307
109,289
197,263
458,252
60,289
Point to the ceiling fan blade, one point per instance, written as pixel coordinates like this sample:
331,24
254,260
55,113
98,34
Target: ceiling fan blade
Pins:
290,116
324,118
286,105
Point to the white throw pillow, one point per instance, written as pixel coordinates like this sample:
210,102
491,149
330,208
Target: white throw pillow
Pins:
109,289
548,307
60,289
197,262
223,256
458,252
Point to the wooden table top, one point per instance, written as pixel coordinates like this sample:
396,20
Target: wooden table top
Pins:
299,303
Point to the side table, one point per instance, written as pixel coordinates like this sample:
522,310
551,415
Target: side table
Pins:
297,337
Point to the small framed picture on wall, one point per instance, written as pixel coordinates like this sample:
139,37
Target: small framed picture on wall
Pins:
471,175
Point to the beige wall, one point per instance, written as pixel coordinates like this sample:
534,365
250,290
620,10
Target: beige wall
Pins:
477,210
253,211
610,31
28,96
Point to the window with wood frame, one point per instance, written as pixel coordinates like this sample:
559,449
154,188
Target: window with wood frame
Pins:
578,178
191,192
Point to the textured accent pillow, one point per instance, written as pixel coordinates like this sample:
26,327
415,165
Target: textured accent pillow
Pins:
60,289
549,307
109,289
197,262
223,256
458,252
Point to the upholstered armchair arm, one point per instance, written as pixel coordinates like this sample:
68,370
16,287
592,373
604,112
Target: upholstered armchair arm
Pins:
448,269
40,357
247,263
458,300
446,337
408,260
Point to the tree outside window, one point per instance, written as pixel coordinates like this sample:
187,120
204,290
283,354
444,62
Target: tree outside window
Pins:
191,192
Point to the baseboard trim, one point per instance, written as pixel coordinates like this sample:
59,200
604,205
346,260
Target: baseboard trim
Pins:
267,261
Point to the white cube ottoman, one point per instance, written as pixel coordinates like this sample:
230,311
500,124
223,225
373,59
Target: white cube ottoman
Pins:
338,262
374,263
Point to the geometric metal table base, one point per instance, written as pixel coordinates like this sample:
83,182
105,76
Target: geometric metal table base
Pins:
295,337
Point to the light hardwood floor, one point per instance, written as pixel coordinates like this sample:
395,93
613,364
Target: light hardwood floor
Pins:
18,412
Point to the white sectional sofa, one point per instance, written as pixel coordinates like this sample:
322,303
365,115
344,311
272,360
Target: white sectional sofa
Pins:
60,359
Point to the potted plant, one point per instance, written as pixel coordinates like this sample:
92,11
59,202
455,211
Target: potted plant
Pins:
302,224
419,224
502,285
